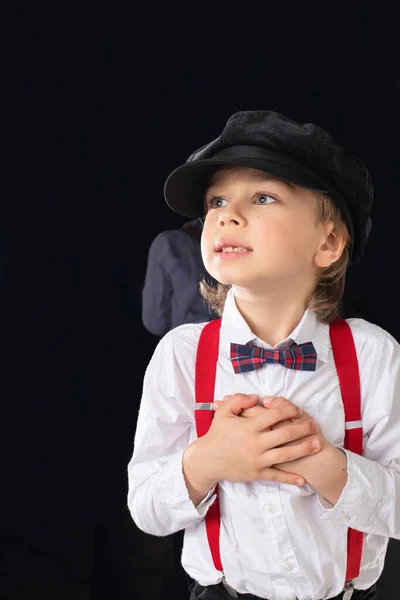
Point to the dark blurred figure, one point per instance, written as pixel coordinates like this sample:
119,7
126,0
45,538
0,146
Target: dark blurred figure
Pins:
171,294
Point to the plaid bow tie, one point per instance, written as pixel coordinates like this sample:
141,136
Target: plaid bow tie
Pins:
246,357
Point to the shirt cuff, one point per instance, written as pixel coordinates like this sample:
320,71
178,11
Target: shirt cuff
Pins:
175,495
207,501
360,495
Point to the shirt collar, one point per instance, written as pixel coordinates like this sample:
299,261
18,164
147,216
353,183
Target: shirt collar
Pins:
235,329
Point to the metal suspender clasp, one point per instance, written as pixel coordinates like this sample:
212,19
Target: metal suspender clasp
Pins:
231,591
348,590
353,425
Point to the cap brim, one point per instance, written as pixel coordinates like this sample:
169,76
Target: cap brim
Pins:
184,188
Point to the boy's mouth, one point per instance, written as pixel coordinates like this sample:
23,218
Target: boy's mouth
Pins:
233,249
225,245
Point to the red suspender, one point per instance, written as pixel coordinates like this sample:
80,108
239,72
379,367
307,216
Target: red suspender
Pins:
347,368
344,353
206,367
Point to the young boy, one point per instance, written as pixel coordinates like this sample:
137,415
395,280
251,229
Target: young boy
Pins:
287,210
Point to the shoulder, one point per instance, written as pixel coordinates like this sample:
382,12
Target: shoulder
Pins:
180,344
164,237
372,341
170,238
173,364
378,355
184,336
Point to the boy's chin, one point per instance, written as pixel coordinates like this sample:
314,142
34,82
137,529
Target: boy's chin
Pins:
236,282
224,278
227,276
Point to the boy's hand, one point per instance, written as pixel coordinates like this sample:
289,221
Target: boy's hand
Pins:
325,471
268,402
249,449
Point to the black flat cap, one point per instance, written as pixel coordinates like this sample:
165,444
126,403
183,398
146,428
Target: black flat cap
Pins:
301,153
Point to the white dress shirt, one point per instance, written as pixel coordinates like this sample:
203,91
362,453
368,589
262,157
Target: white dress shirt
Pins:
277,541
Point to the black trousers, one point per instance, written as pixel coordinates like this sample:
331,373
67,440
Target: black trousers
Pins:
218,592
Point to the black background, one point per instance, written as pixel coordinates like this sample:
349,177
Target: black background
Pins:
101,103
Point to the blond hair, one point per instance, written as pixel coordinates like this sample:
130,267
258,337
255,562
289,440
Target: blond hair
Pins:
329,290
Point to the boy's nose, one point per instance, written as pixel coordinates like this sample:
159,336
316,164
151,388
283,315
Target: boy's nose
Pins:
230,217
226,221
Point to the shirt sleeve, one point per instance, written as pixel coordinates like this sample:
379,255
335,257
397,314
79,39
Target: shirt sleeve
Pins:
370,501
157,497
157,288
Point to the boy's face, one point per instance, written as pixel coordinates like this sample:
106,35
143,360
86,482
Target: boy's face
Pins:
272,225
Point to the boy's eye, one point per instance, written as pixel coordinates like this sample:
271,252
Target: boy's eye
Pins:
216,202
265,199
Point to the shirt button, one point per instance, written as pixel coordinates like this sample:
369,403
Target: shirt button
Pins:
288,567
271,508
344,518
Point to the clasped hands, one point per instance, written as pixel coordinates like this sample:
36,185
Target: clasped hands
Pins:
274,440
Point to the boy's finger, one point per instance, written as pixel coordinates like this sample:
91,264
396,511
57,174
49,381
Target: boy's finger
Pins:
217,404
275,401
275,414
252,412
237,403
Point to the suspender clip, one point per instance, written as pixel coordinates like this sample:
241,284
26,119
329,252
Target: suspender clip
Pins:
348,590
231,591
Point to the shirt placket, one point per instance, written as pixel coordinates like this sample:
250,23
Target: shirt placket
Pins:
279,547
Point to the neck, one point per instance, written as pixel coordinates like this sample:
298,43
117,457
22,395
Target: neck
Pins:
271,317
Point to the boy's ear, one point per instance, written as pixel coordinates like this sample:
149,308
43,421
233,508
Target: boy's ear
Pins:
330,249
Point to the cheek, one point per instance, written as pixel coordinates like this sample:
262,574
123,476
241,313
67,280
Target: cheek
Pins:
285,235
203,249
207,243
274,231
